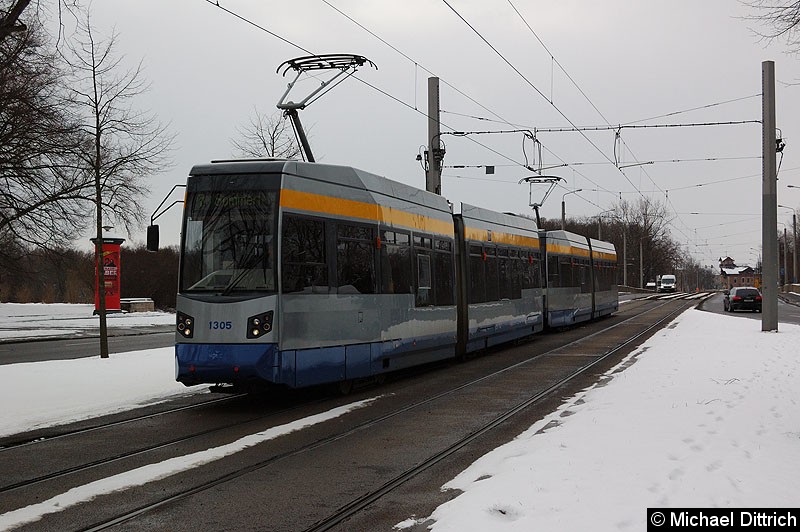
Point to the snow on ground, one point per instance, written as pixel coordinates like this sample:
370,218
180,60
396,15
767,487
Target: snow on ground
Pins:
51,393
43,397
704,414
20,321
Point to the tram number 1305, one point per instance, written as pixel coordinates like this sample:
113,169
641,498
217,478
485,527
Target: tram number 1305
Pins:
217,325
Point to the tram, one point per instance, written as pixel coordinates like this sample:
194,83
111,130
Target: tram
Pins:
298,274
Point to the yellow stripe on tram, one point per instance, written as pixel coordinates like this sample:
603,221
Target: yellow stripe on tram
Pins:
483,235
605,256
317,203
567,250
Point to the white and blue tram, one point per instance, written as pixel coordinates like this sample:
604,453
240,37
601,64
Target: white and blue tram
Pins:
299,274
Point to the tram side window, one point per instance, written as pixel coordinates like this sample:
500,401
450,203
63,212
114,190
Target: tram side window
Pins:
424,279
553,278
565,272
605,276
355,259
527,270
423,261
443,273
537,270
492,274
505,273
517,266
396,276
477,275
583,276
599,273
601,278
303,262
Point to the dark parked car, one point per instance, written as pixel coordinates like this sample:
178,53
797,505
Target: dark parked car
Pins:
742,298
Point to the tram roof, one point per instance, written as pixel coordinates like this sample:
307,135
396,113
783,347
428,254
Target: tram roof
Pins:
511,221
243,166
342,191
603,246
342,176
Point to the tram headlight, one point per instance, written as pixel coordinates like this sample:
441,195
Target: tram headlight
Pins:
259,325
185,325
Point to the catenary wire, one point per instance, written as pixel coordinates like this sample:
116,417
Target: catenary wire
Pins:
370,85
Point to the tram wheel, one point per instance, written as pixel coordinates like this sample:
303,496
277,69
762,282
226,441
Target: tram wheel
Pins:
344,387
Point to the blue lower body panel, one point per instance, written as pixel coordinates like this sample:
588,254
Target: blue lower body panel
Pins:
500,333
226,363
567,317
245,364
606,309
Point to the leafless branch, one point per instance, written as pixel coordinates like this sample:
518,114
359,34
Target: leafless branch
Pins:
267,136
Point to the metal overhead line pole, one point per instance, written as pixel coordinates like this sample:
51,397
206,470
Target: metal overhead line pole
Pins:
641,264
769,200
793,278
785,257
794,246
564,207
624,255
433,173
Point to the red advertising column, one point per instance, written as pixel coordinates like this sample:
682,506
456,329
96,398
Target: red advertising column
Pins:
111,274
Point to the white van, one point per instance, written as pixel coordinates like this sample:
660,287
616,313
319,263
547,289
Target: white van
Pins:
667,284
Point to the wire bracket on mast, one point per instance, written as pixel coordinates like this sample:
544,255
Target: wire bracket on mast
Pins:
345,65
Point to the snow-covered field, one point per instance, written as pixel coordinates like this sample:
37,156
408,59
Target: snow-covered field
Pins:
24,320
705,414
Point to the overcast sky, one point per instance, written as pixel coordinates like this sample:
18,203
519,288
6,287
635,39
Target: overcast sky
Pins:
630,61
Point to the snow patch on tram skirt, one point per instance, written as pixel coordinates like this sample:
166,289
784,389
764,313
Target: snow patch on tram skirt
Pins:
161,470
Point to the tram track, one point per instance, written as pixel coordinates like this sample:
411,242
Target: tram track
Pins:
366,500
358,504
15,442
147,449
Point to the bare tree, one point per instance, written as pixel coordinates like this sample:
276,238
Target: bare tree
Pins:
647,225
780,18
42,187
9,23
120,146
11,12
267,136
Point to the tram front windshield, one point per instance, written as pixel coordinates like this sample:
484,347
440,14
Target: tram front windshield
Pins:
228,246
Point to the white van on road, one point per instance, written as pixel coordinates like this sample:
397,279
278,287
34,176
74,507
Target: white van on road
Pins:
667,283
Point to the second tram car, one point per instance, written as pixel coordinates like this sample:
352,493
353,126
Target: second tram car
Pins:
299,274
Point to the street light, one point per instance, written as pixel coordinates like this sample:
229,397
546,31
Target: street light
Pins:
624,243
758,259
600,223
794,239
785,255
563,207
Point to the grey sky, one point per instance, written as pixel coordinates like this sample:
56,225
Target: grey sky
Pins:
633,60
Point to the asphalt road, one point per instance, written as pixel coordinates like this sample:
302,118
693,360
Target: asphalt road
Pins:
69,348
787,313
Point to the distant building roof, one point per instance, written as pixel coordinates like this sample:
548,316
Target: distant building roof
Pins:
735,271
